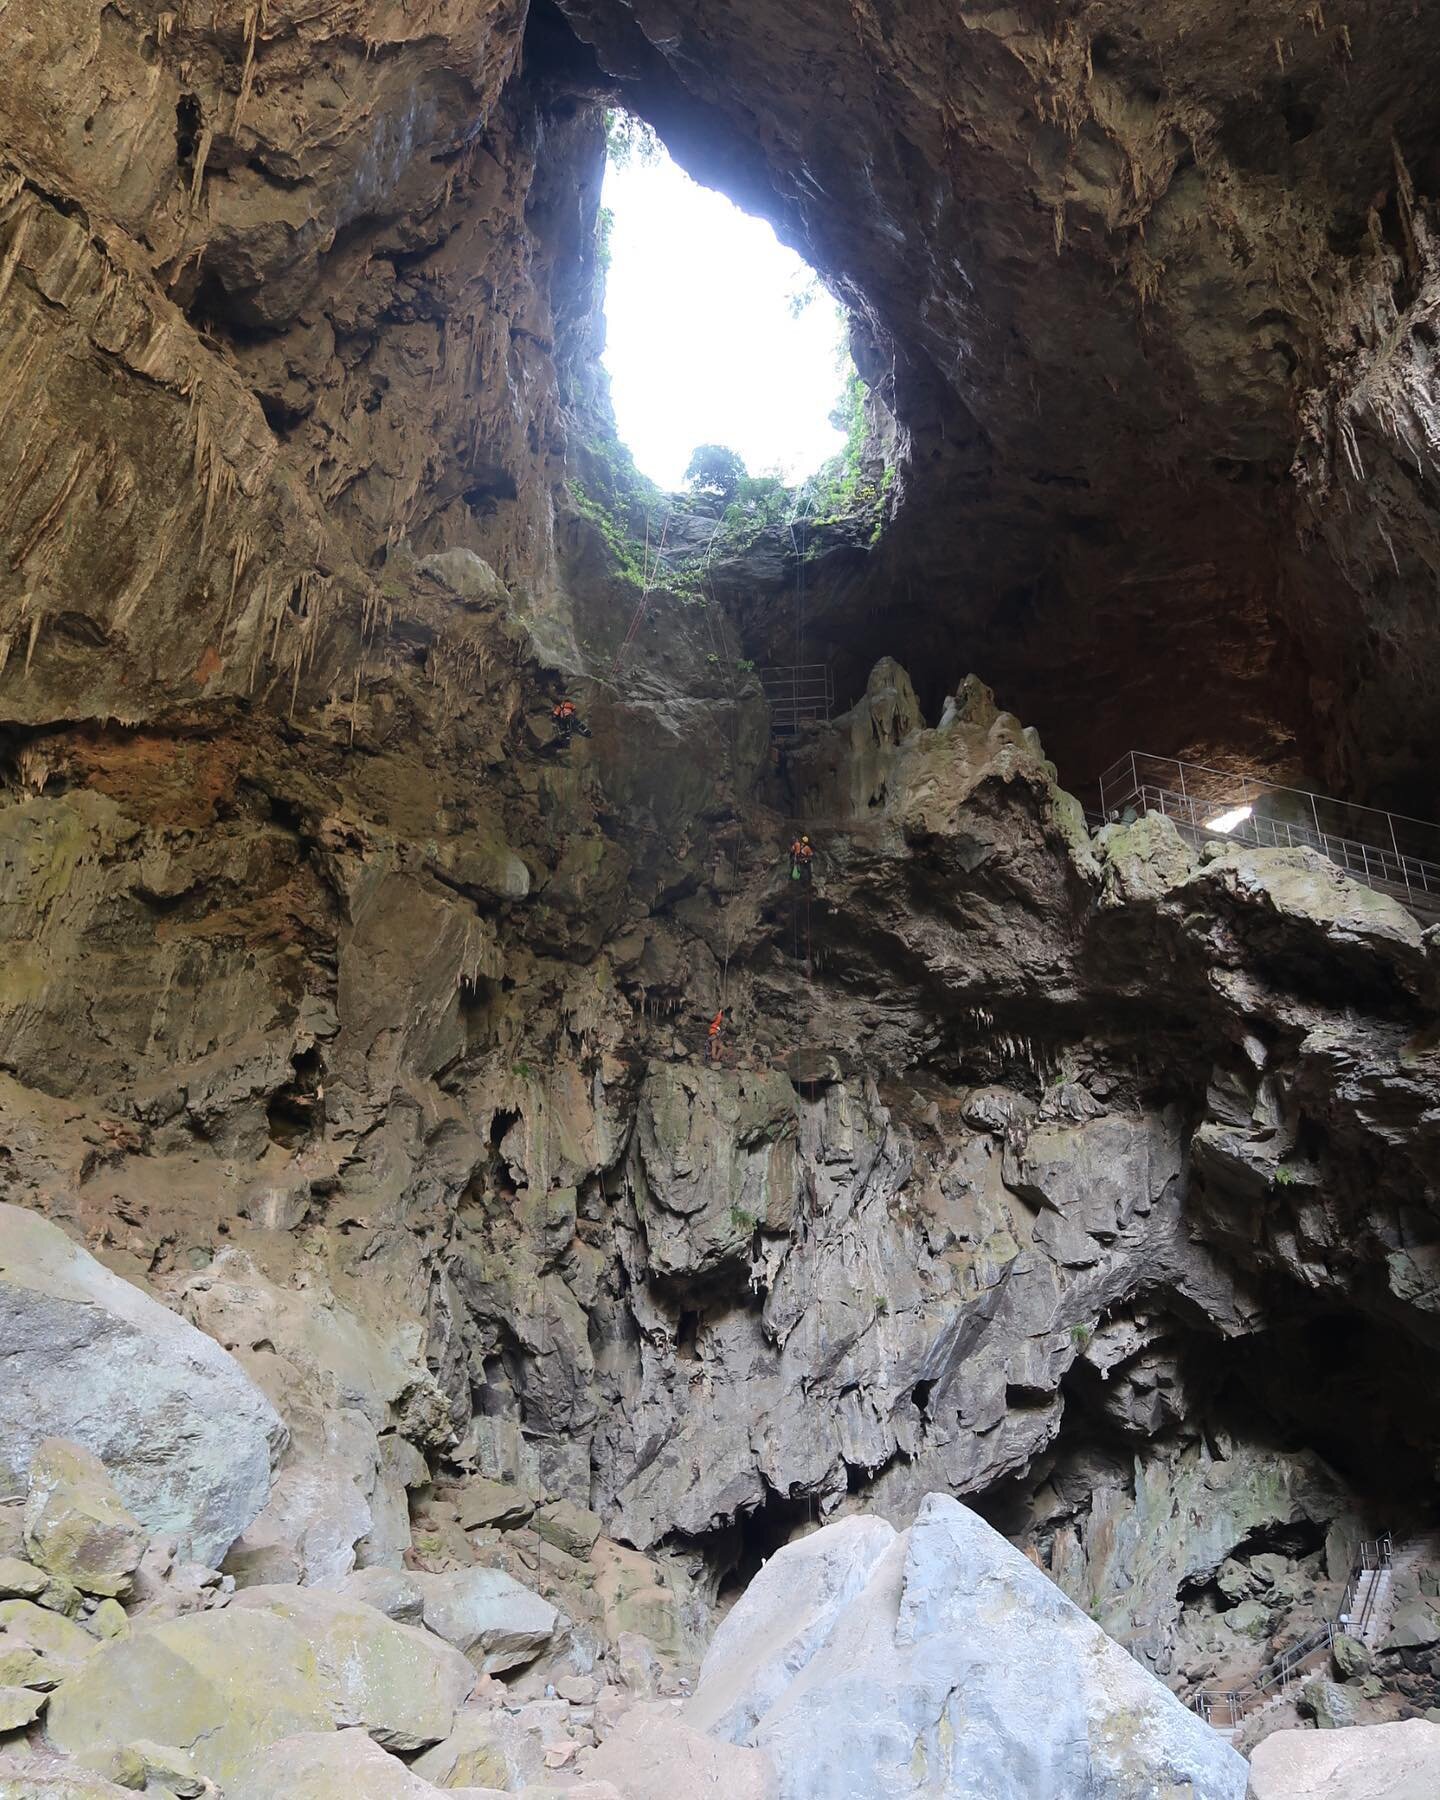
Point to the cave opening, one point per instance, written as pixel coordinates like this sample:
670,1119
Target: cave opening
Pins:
719,338
736,1553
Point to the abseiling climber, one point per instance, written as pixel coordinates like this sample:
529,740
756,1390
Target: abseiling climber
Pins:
566,721
802,856
713,1037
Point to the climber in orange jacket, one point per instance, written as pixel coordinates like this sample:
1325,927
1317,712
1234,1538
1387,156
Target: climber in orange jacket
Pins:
802,855
566,720
712,1037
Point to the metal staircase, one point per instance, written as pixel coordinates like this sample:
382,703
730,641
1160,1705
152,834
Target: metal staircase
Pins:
799,693
1363,1613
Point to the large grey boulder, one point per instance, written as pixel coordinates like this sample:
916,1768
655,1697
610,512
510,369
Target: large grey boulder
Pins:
188,1440
943,1663
466,574
352,1388
488,1616
275,1663
1361,1762
320,1766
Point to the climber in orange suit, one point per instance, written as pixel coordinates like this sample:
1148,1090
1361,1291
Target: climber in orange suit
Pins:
566,721
712,1037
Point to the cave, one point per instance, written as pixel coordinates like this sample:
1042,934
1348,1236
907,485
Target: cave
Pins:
466,1172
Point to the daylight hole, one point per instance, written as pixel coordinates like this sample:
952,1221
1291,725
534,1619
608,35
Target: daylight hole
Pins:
717,334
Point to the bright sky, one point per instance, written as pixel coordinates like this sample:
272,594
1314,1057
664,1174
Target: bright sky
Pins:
701,347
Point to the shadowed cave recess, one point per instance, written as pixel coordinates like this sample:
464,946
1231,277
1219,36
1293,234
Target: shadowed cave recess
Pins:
1068,1167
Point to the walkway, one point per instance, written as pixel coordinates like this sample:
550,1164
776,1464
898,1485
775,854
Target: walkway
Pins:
1363,1613
1391,853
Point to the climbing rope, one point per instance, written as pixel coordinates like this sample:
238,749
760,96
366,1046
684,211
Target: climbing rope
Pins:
720,651
649,570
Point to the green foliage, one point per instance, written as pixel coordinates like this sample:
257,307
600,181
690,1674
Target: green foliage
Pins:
626,553
765,497
840,490
741,1222
1080,1335
882,1307
1285,1176
616,499
803,295
715,473
628,139
604,229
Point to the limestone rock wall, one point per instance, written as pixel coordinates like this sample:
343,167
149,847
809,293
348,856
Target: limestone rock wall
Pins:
350,1018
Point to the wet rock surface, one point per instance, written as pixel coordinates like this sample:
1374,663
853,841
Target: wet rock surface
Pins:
367,1208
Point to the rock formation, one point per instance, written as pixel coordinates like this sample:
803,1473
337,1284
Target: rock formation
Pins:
940,1660
1370,1762
381,1264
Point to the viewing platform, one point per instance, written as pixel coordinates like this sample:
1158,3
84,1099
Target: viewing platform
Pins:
1389,852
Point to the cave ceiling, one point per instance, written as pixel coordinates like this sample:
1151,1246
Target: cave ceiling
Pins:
1149,292
1148,289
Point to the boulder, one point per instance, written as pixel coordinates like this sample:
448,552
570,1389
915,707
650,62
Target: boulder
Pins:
655,1755
54,1778
160,1768
402,1685
109,1621
465,574
76,1525
21,1580
782,1621
943,1663
1350,1657
19,1706
276,1662
61,1642
568,1527
320,1767
1414,1625
348,1385
220,1685
633,1598
1363,1762
486,1749
489,1616
1327,1703
20,1666
188,1440
393,1592
483,1502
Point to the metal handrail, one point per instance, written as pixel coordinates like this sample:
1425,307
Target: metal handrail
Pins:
1234,1703
797,693
1384,850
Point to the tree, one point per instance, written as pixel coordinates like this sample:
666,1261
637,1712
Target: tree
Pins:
628,139
715,473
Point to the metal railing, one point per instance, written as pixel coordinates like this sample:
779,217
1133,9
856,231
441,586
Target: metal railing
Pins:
798,693
1225,1707
1389,852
